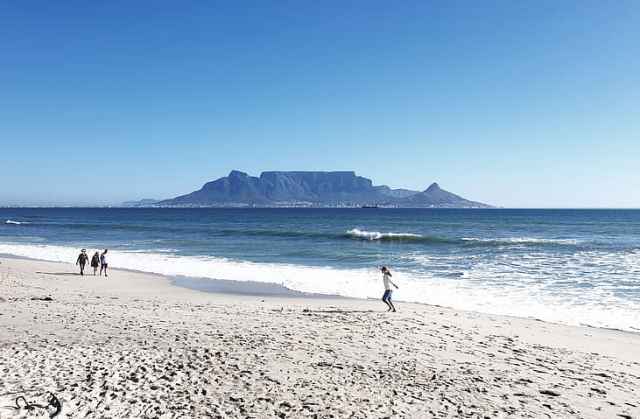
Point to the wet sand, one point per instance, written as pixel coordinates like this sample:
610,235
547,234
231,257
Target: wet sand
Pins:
134,345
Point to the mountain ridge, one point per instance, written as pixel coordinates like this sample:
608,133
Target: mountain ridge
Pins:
312,189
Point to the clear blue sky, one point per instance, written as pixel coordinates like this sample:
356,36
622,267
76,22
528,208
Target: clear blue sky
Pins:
520,104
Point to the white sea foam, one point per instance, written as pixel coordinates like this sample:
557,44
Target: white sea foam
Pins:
172,251
376,235
498,289
15,222
521,240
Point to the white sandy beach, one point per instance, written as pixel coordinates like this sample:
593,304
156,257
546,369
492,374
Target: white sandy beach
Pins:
134,345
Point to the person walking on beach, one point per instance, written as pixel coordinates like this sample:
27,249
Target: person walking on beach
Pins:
103,263
386,280
95,262
82,260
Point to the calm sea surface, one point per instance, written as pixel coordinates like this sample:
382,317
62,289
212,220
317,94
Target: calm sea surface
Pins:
569,266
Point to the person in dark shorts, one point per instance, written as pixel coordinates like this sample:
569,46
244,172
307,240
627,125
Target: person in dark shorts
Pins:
82,260
95,262
386,280
103,262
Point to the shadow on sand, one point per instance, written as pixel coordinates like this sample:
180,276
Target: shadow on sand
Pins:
59,273
336,311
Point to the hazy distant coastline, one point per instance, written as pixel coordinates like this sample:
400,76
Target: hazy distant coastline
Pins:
306,189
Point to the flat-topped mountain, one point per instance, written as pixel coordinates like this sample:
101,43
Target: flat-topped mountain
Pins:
323,189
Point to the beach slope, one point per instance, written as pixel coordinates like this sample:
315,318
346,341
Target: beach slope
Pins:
134,345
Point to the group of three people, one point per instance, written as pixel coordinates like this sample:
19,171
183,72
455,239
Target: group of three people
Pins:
97,260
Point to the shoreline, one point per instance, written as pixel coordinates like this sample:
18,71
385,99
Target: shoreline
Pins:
136,343
210,285
267,289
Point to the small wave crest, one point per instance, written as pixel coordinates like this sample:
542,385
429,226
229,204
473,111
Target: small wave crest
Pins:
15,222
356,233
519,240
376,235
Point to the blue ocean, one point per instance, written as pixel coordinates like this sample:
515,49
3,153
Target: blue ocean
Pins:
578,267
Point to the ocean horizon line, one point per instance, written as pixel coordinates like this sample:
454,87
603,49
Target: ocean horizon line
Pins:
303,207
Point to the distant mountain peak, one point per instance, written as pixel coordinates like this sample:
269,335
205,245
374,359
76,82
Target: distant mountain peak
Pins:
436,197
433,187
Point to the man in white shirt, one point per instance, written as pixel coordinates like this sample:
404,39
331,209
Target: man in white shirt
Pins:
386,280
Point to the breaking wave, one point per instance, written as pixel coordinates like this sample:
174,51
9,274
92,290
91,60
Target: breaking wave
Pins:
15,222
376,235
356,233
